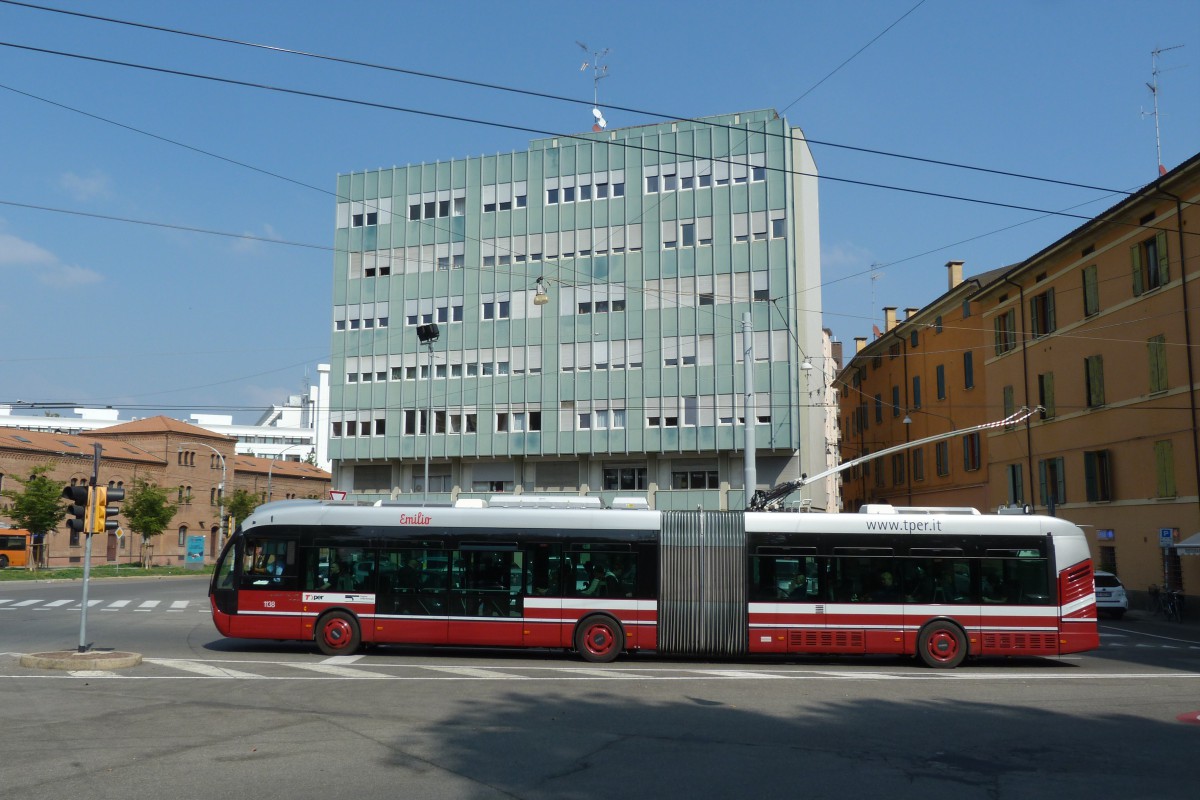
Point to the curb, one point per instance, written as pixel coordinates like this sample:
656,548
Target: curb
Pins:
72,660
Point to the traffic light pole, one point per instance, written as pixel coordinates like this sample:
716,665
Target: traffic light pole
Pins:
87,549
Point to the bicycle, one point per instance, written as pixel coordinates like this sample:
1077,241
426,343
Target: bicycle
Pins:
1172,605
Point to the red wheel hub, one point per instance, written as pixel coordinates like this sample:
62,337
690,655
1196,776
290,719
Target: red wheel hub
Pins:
337,632
942,645
599,639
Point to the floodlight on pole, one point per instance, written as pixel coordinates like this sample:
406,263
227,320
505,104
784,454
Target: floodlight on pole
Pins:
428,334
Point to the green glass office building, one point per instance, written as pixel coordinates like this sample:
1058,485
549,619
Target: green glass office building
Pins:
589,296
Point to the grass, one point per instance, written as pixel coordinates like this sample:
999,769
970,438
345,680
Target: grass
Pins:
99,571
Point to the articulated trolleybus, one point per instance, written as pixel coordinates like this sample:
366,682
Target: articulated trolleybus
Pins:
938,584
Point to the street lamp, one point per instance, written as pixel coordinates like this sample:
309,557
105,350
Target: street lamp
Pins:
428,334
908,417
220,486
271,466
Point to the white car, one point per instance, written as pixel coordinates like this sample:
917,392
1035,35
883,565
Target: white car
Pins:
1111,599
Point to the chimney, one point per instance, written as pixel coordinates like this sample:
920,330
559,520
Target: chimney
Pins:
859,343
909,313
954,268
889,318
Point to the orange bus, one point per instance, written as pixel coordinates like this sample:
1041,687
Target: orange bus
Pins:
14,547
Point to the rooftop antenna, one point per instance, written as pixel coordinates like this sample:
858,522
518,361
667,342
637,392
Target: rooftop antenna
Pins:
599,72
1153,87
874,277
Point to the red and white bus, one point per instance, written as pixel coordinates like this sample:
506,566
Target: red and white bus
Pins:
938,584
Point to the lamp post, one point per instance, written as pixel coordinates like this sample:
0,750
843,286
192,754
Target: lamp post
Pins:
271,466
428,334
220,486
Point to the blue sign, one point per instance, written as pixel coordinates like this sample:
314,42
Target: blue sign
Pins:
195,550
1166,537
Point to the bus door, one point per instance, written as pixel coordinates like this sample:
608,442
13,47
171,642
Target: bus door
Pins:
867,609
787,612
269,600
543,596
411,600
486,596
939,585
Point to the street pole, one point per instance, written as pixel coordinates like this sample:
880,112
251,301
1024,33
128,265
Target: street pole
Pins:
428,426
220,490
750,478
87,548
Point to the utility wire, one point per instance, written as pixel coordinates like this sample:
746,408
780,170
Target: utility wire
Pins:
591,138
577,101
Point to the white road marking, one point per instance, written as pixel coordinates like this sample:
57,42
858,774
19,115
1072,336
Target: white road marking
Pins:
342,660
55,604
178,605
91,673
204,668
473,672
147,605
341,672
116,605
24,603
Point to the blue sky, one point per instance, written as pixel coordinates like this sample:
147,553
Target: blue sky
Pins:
94,311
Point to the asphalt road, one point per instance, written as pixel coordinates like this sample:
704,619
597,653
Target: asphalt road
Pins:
204,716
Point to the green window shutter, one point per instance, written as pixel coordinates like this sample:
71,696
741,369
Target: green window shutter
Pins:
1164,263
1050,326
1090,476
1135,258
1164,465
1008,401
1094,366
1157,354
1091,291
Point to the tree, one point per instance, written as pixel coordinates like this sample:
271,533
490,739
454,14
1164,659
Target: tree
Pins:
38,506
148,511
240,504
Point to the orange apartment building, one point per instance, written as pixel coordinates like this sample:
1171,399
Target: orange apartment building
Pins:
921,376
1101,330
191,461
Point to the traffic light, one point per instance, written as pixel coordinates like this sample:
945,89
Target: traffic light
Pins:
105,516
80,497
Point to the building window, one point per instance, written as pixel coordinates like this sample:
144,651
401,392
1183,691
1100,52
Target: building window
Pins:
898,469
183,535
918,464
1164,468
689,234
1091,291
551,197
1108,558
1097,475
1006,332
971,456
1009,403
1150,264
878,409
1046,395
941,381
941,452
916,395
968,370
651,184
695,479
1041,313
1053,482
1156,347
1093,371
624,478
1015,478
896,410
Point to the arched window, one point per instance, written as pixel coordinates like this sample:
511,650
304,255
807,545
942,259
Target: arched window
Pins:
183,529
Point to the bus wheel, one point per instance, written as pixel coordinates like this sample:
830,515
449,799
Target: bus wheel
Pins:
599,639
337,634
942,644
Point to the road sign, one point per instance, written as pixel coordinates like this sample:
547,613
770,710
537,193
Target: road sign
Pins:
336,495
1166,537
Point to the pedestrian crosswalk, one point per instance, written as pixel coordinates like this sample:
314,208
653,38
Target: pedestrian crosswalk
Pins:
124,604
